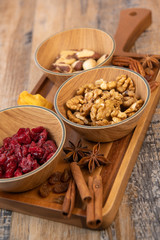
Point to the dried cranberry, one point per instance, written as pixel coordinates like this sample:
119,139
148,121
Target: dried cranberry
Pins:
14,143
3,158
35,164
23,136
37,129
43,135
40,142
11,158
18,152
9,152
6,142
26,164
50,146
36,151
35,133
24,150
18,172
10,169
2,150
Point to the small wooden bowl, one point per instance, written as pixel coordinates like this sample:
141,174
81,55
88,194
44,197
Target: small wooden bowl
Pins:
89,38
101,133
30,117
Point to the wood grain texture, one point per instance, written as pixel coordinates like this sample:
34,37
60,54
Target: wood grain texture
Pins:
142,203
49,49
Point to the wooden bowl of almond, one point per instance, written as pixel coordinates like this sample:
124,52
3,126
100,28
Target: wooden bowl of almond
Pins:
103,104
67,53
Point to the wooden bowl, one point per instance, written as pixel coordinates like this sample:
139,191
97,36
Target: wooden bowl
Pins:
101,133
89,38
30,117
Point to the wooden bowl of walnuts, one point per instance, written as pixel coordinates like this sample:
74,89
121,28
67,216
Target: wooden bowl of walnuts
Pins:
103,104
31,144
67,53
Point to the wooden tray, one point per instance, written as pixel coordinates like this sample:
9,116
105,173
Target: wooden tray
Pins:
122,153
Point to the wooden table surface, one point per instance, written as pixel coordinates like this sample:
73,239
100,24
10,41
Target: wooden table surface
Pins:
24,24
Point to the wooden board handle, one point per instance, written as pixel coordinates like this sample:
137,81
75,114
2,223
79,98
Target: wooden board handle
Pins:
132,23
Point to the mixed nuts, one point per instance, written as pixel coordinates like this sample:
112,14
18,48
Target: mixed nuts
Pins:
70,61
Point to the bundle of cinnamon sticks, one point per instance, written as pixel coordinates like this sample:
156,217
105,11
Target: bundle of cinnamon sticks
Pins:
90,194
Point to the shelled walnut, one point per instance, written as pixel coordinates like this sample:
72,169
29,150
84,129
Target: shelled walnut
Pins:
69,61
104,103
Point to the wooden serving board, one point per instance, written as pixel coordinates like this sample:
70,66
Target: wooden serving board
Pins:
122,154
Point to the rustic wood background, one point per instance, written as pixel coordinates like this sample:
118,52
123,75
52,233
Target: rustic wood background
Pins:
23,25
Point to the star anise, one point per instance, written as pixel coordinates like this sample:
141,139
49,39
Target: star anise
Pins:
150,62
93,159
75,152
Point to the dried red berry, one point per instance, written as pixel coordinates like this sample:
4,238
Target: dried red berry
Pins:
3,158
25,151
26,164
23,136
18,172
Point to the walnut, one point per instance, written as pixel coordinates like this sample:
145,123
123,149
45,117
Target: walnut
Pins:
85,109
106,95
124,83
73,118
89,86
75,103
100,122
81,117
128,101
135,106
116,120
104,102
116,96
105,85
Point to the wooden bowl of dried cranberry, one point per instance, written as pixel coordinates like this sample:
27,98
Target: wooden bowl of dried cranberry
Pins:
31,143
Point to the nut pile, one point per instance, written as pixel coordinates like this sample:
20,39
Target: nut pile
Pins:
103,102
70,61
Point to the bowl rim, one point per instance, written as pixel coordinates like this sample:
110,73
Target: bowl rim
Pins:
73,73
105,126
4,180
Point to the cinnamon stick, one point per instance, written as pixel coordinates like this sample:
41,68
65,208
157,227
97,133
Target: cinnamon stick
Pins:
90,206
98,193
80,182
69,200
94,207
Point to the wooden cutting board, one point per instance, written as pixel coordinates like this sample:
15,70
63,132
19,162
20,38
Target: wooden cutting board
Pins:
122,153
